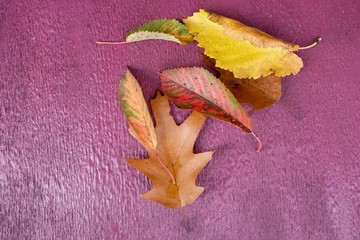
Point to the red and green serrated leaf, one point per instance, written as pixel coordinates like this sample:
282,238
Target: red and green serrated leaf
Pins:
164,29
133,104
197,89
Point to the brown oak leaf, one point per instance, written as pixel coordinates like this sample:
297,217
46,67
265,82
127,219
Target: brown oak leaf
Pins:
175,149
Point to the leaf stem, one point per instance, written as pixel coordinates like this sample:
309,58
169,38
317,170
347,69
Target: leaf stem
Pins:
311,45
289,109
166,169
186,225
109,43
259,142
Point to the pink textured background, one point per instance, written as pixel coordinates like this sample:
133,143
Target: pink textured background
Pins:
64,138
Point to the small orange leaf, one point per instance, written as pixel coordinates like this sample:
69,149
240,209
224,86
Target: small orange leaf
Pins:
260,93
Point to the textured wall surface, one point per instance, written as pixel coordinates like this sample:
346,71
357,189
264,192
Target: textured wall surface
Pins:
63,137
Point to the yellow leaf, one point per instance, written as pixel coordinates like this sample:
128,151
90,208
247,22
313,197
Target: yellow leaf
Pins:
175,149
245,51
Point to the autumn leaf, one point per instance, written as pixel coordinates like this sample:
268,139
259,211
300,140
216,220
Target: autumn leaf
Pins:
197,89
141,126
246,52
164,29
175,148
135,109
260,93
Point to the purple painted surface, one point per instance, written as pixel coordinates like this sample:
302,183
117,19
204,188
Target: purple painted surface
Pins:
64,138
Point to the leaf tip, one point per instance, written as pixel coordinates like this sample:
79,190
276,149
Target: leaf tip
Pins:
212,153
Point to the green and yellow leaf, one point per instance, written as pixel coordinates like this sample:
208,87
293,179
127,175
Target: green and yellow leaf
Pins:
164,29
133,104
